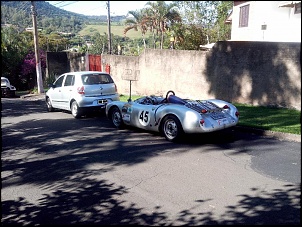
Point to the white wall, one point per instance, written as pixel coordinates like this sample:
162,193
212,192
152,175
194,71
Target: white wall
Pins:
282,24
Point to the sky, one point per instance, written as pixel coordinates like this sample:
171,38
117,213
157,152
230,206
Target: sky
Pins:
97,8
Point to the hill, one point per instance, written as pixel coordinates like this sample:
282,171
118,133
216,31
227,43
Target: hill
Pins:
116,29
49,17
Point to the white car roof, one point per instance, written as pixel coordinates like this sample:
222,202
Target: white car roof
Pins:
86,72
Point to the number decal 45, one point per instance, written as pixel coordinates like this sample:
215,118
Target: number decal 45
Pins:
144,117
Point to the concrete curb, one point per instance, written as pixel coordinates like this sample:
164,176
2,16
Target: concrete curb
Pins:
33,96
261,132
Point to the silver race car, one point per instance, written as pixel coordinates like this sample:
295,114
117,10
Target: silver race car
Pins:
173,116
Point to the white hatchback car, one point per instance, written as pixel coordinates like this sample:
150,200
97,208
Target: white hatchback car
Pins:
83,91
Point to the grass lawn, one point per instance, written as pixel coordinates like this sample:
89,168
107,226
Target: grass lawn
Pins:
267,118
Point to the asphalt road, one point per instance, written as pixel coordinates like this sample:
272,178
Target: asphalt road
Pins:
61,170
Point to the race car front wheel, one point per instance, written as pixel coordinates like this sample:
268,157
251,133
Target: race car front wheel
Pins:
116,117
172,128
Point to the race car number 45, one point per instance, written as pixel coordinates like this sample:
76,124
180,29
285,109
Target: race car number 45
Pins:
144,117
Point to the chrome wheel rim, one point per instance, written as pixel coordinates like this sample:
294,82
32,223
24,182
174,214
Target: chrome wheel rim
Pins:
48,103
116,118
170,129
74,109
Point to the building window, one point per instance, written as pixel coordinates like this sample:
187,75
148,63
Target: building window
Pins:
244,16
298,8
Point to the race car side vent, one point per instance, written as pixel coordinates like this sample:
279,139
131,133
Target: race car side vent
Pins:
202,106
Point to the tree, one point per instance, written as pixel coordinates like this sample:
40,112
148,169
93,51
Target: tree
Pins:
162,16
100,43
28,68
222,29
208,14
14,46
139,22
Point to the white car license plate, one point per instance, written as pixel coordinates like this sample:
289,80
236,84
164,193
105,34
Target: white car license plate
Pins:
102,101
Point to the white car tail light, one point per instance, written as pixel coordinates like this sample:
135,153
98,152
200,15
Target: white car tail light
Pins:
81,90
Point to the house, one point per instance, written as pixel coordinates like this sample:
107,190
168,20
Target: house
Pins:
272,21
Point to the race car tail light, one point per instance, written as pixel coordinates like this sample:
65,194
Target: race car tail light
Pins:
81,90
203,111
237,114
201,122
225,107
115,88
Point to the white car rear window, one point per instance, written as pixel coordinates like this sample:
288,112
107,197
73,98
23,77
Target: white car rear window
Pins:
91,79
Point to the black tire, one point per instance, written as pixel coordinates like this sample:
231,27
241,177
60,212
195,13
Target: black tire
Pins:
12,94
49,105
116,117
172,129
75,110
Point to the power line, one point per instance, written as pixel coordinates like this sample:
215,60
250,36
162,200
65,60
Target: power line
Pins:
57,3
69,3
66,3
62,4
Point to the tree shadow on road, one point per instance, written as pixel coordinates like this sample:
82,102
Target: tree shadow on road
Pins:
87,201
53,156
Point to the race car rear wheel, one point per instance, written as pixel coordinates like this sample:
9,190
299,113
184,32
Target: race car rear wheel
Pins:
116,117
172,128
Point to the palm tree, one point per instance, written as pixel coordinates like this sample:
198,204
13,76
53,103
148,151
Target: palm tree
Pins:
163,17
138,22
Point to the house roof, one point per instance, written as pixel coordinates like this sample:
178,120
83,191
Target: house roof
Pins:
288,3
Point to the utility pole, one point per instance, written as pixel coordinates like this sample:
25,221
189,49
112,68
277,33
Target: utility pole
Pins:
109,28
37,55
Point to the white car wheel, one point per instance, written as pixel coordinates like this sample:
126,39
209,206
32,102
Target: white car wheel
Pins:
75,110
49,105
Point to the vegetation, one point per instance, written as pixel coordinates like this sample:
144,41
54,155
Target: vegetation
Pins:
102,29
158,25
270,118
